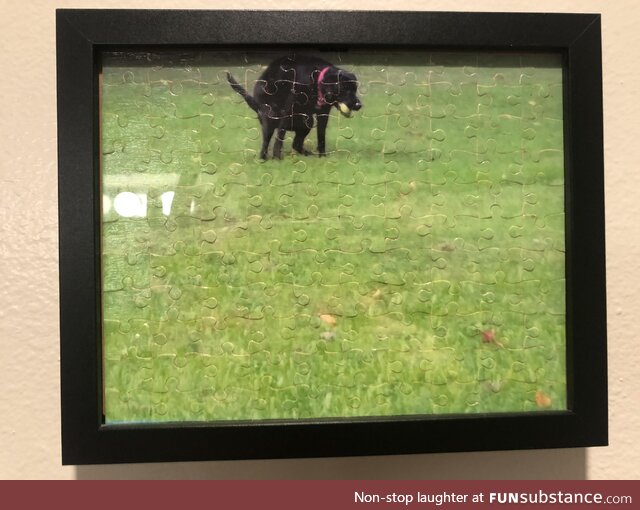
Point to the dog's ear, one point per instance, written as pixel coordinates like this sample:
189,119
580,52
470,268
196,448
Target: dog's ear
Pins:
330,84
336,75
346,76
334,80
331,77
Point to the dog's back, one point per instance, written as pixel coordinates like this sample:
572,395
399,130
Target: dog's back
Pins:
286,75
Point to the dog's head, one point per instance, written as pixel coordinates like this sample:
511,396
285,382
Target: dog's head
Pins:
339,88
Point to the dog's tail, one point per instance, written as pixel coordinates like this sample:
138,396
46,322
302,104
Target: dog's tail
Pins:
253,104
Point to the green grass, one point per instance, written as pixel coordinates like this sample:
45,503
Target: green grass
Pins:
435,222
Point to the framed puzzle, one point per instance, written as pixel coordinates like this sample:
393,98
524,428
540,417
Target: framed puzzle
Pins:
316,234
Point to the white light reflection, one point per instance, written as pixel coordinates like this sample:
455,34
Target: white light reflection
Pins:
167,200
106,204
131,205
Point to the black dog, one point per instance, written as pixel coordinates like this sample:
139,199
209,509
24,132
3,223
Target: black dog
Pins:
291,91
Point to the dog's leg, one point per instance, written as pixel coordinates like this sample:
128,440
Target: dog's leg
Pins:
268,127
286,120
277,145
323,120
298,141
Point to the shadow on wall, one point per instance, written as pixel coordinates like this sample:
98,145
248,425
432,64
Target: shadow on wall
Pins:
531,464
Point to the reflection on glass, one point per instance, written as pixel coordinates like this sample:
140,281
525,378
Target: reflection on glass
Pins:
131,205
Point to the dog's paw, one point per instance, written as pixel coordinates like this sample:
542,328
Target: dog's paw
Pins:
302,152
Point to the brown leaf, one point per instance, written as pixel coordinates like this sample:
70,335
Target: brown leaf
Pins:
328,319
489,337
542,399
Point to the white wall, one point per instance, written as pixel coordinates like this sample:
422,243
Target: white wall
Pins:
29,363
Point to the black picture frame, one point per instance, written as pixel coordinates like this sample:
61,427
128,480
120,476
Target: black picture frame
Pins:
83,34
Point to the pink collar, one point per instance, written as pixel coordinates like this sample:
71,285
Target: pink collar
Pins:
321,76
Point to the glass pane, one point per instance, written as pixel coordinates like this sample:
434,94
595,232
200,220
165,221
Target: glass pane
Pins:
416,269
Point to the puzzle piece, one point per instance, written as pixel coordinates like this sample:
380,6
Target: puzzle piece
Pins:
416,269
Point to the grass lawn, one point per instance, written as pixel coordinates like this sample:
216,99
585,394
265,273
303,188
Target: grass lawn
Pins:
418,269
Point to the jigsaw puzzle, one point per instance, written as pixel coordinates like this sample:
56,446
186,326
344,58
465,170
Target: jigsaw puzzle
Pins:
417,268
